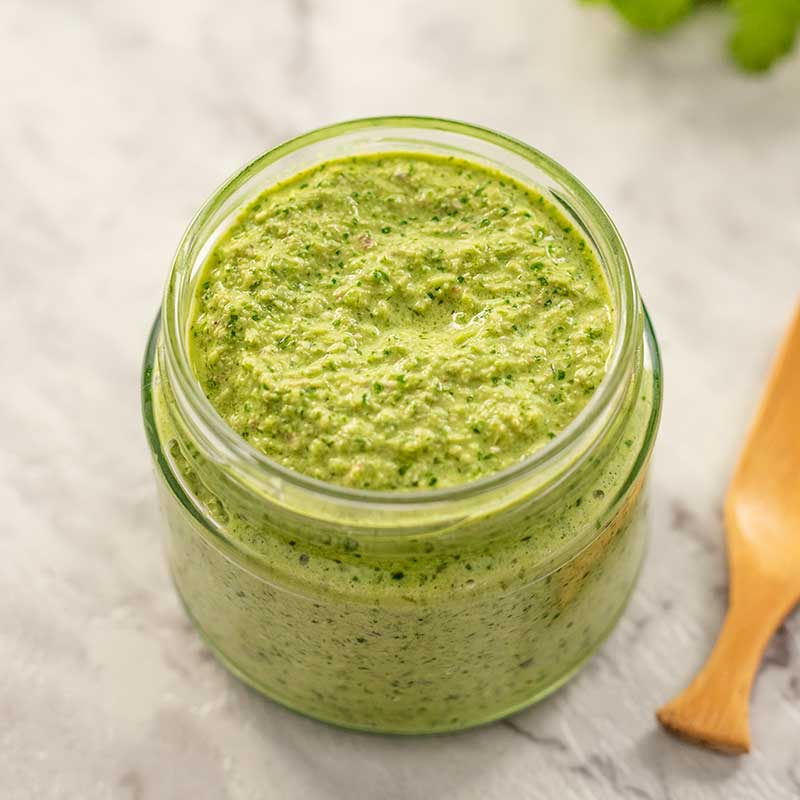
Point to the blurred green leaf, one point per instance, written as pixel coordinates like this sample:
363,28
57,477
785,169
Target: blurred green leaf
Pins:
766,30
653,15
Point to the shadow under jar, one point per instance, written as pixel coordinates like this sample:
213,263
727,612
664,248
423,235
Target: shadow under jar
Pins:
408,611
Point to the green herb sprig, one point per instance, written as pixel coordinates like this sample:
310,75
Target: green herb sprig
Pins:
764,30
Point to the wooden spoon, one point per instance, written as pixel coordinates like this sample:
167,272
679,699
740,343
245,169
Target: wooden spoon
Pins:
762,518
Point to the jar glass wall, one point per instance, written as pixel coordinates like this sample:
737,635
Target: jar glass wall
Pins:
417,611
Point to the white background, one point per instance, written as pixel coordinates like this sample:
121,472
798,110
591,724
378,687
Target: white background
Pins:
116,121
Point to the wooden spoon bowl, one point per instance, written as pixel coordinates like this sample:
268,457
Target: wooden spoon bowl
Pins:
762,520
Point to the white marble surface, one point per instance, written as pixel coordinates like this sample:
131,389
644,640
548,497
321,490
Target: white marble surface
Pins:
116,120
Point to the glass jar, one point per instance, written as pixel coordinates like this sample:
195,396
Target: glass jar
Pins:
405,612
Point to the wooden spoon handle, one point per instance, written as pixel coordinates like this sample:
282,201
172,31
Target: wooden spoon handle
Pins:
713,709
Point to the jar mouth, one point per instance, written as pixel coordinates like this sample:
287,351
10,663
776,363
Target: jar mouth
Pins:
254,468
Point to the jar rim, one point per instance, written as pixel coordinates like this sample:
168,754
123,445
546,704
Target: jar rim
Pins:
255,468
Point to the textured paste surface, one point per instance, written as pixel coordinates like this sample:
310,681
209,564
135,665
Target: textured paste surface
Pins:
400,321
